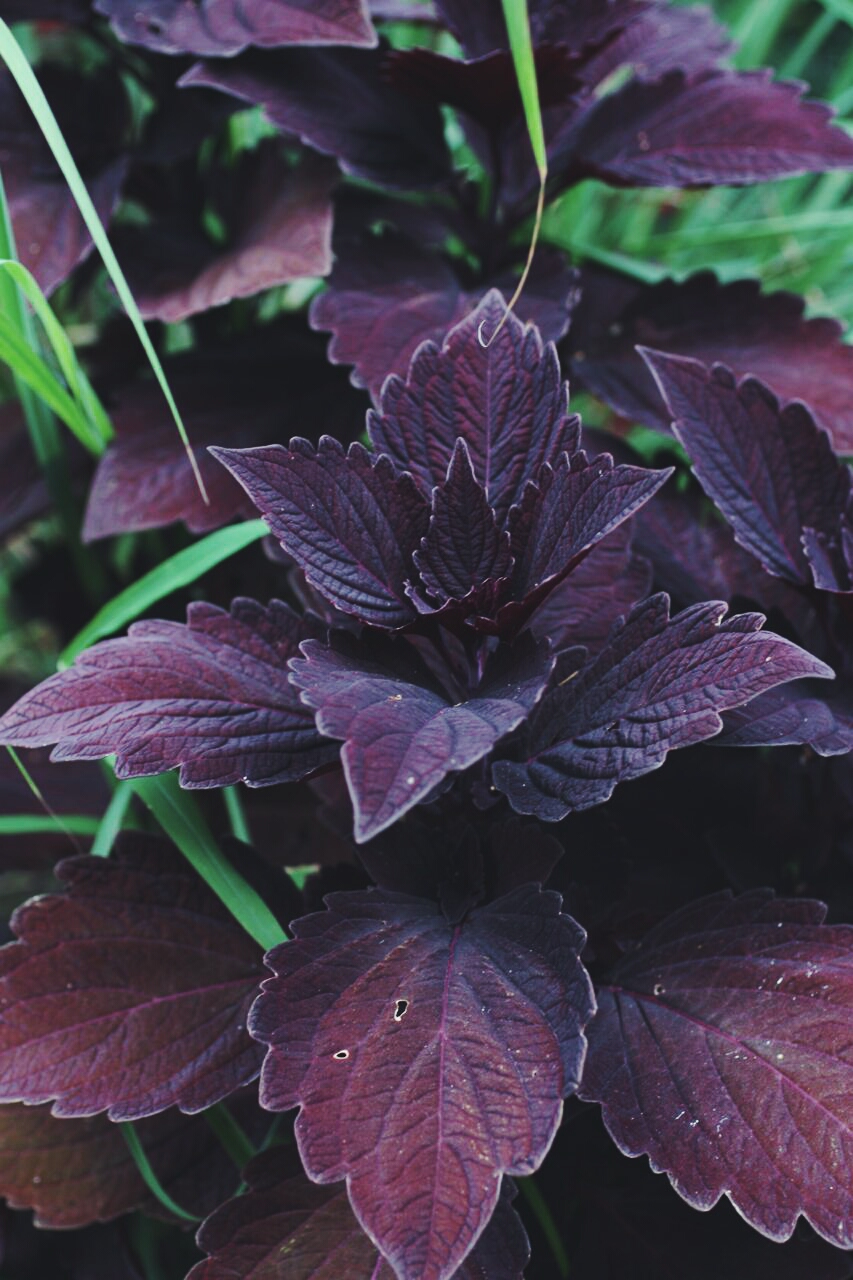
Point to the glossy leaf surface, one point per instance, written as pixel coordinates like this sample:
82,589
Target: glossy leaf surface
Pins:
427,1057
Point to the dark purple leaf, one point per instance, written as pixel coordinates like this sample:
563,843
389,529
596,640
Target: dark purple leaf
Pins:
658,684
386,296
770,470
219,28
44,10
427,1058
50,235
24,492
658,39
212,696
402,733
709,128
506,401
230,393
337,102
463,551
346,518
751,332
129,993
280,230
479,25
283,1211
796,713
722,1051
73,1172
582,609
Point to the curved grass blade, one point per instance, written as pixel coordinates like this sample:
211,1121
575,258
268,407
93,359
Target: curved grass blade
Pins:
108,827
149,1177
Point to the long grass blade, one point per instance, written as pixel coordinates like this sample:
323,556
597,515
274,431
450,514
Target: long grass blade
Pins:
149,1177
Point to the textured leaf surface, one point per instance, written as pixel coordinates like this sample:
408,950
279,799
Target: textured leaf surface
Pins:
427,1058
770,470
386,296
339,103
218,28
722,1051
735,324
506,401
657,685
285,1216
348,520
402,733
212,696
129,993
801,712
709,128
280,230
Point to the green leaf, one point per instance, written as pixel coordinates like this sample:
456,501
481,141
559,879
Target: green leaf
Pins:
30,824
177,572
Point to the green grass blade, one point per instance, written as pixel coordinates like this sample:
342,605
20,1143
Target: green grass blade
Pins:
31,824
232,1137
113,820
22,73
55,822
236,815
181,818
149,1177
28,367
173,574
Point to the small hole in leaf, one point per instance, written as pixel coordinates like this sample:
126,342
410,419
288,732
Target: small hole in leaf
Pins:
400,1010
341,1055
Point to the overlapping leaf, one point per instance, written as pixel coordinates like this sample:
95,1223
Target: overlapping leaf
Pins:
338,102
428,1057
349,520
211,697
770,470
219,28
127,994
801,712
285,1215
722,1051
735,324
402,732
657,685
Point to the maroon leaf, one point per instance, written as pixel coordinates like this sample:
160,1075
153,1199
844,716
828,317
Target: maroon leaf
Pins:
794,714
658,684
386,296
50,234
281,230
751,332
346,518
463,550
506,401
321,1235
427,1057
722,1051
230,394
770,470
338,103
212,696
127,994
219,28
658,39
709,128
402,733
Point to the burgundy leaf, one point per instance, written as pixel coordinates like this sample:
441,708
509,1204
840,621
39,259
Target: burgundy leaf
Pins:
427,1057
658,684
386,296
50,235
402,733
658,39
230,393
283,1211
219,28
282,231
506,401
337,102
212,696
709,128
722,1051
770,470
582,609
796,713
479,25
346,518
570,508
73,1172
751,332
463,550
127,994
